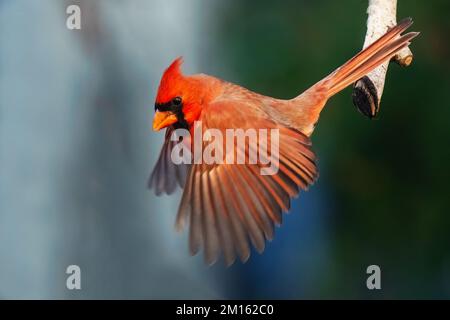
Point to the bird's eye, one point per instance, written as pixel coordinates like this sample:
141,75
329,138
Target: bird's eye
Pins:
176,101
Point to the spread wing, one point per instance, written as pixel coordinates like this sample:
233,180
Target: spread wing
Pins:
229,205
166,175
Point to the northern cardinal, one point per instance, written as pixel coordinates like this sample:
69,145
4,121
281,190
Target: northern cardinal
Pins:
227,205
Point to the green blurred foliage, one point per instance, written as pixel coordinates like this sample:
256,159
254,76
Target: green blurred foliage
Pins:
388,178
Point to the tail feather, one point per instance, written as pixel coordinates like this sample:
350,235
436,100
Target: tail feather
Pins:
314,99
354,70
372,49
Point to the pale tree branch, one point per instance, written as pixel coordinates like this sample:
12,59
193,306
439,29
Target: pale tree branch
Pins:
367,91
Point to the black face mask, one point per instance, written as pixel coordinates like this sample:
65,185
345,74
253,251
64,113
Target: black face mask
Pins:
174,106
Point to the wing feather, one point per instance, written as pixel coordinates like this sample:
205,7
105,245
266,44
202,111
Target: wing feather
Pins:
230,204
241,240
223,222
210,230
166,175
196,223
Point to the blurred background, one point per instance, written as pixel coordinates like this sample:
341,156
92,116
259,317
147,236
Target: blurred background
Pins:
76,150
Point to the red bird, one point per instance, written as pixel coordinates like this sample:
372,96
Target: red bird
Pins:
229,204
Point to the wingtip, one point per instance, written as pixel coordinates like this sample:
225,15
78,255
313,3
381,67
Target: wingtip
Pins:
178,226
228,264
260,249
194,249
245,258
210,261
150,182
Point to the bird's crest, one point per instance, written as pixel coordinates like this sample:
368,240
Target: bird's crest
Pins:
170,78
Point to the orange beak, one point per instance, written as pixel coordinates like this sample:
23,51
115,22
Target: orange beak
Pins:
163,119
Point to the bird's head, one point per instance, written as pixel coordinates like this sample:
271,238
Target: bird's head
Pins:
179,99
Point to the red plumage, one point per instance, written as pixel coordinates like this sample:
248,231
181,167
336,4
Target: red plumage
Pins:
228,205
